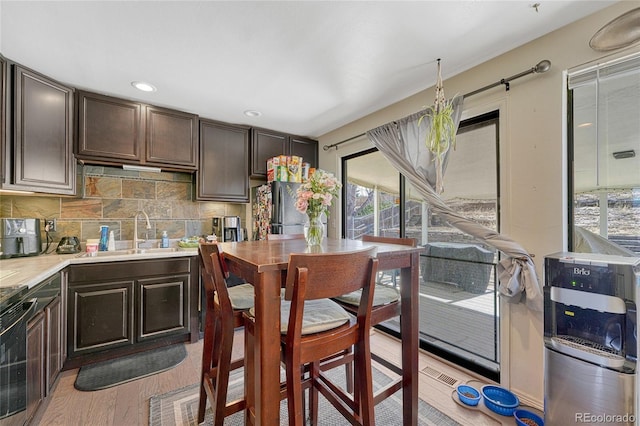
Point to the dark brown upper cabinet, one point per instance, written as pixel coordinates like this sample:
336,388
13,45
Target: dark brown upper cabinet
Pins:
116,131
264,145
305,148
109,128
223,172
267,143
171,138
38,151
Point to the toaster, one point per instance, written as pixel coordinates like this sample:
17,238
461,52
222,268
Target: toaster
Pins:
19,237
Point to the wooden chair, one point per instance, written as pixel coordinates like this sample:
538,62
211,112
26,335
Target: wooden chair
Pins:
224,308
335,360
386,305
308,338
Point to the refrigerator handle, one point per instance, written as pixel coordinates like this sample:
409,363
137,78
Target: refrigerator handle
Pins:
277,204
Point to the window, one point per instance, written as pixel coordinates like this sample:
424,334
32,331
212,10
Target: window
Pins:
372,196
458,300
604,157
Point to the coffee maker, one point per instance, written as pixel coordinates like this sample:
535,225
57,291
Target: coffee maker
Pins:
232,228
218,227
228,228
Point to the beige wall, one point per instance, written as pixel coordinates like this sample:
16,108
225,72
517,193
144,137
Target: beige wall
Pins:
531,165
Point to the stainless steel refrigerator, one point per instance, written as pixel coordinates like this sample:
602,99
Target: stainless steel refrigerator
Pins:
279,200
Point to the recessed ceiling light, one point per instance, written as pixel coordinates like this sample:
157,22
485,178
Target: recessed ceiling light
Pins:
252,113
145,87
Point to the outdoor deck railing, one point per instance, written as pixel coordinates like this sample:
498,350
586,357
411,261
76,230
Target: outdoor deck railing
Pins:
458,321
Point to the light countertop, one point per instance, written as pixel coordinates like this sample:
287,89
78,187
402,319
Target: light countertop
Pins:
29,271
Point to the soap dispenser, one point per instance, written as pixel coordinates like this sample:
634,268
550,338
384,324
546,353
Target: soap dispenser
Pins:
165,240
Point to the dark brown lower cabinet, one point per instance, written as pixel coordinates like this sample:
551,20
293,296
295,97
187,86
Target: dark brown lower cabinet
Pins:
163,306
35,363
53,318
100,316
119,307
45,355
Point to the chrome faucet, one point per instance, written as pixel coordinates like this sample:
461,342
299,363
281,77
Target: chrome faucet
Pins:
137,241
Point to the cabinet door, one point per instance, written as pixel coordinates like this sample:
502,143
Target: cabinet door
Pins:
223,172
35,363
305,148
171,138
100,317
163,306
109,128
43,139
264,145
53,320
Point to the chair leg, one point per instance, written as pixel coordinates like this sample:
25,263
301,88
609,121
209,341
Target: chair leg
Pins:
249,370
294,392
314,372
222,374
364,386
348,368
207,361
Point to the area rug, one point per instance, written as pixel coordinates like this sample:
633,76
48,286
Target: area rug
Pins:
114,372
180,407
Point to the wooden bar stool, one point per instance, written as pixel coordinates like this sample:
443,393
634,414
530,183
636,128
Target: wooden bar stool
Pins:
386,305
224,308
315,328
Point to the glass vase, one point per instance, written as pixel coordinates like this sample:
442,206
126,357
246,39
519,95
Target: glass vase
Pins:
314,231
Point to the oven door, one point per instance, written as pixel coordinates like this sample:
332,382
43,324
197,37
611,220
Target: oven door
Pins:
13,362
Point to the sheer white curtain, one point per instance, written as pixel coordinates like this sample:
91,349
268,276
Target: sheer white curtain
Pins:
402,142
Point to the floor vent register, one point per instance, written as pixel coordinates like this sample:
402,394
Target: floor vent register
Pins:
440,376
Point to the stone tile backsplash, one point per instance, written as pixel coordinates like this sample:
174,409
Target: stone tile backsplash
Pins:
112,196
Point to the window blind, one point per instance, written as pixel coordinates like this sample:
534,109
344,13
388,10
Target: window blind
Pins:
612,69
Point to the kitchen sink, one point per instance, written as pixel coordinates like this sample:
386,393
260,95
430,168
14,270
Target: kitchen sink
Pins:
130,252
155,250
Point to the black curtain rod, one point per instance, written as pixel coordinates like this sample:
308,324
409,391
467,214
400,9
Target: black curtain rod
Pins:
539,68
335,145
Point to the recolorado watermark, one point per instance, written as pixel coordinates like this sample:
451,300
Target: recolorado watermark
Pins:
605,418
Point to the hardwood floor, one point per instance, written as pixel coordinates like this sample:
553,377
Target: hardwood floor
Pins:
128,404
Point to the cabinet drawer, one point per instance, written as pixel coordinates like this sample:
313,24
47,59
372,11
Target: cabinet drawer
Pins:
124,270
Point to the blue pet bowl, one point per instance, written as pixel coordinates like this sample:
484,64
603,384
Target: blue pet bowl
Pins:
532,418
468,395
499,400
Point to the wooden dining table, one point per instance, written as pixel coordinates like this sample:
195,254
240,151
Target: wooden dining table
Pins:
263,263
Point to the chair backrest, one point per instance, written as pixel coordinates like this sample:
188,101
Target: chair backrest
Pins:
328,275
214,275
206,249
274,237
390,240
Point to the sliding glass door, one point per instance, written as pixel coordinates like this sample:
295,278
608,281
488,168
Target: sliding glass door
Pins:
372,196
459,311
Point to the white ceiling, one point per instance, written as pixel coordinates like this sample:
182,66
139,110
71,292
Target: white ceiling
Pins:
308,66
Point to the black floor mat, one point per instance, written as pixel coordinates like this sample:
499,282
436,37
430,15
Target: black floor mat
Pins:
113,372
